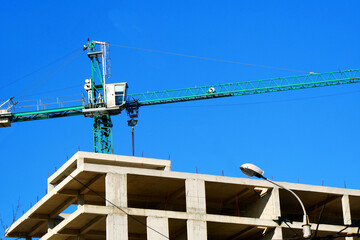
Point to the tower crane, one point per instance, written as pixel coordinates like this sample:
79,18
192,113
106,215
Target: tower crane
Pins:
105,100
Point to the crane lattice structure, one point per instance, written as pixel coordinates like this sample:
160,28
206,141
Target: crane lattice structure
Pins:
105,100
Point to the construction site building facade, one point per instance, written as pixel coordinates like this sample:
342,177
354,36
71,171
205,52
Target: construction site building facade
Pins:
113,197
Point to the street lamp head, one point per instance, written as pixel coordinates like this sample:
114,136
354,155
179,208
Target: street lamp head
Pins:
251,170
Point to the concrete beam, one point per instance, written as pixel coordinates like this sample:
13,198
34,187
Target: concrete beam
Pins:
69,192
39,216
69,232
76,233
205,217
34,229
329,199
103,210
75,193
240,234
85,189
125,161
91,224
211,178
63,171
61,207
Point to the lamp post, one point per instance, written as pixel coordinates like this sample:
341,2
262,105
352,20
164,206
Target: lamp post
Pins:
252,170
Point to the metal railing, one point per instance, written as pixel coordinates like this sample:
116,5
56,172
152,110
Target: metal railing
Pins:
49,103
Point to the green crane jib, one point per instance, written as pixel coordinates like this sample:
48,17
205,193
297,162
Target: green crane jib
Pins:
105,100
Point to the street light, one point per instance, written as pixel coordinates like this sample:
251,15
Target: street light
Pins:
252,170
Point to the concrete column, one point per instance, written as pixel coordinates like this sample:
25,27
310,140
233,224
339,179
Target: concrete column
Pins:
116,193
267,206
195,196
272,208
196,230
196,203
161,225
275,195
274,235
51,224
80,200
345,201
50,187
116,227
277,234
116,189
80,163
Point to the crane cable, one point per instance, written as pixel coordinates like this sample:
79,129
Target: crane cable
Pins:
48,75
37,70
56,90
57,68
210,59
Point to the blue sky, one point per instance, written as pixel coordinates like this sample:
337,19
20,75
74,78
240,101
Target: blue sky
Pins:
307,136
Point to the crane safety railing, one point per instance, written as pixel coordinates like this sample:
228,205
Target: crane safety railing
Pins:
49,103
247,87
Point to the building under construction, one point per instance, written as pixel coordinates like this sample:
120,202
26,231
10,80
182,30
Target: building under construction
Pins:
113,197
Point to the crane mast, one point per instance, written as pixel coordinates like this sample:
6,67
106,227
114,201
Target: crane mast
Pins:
105,99
102,126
